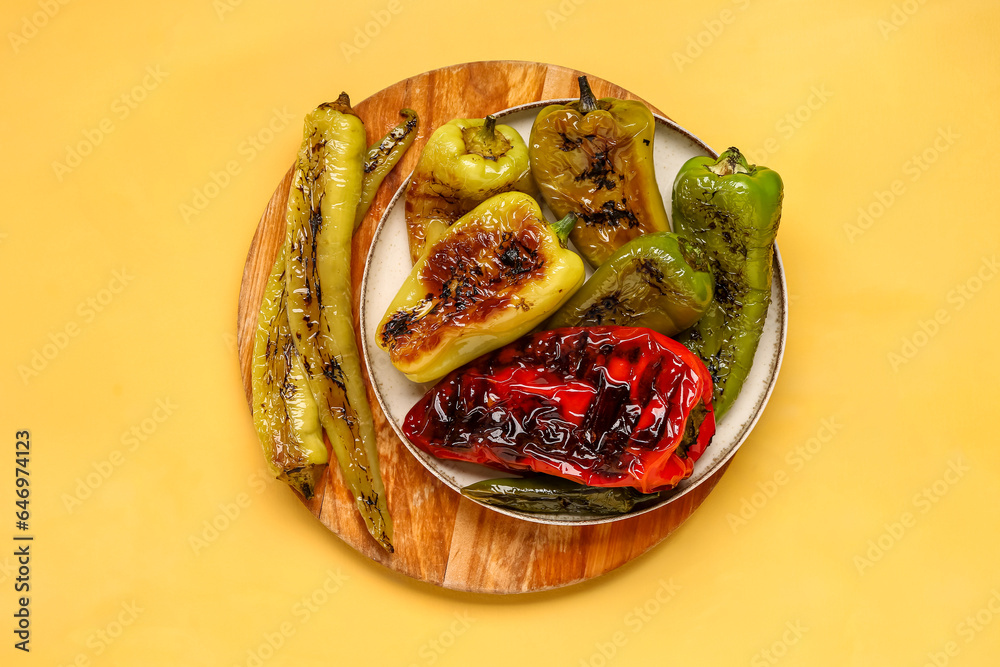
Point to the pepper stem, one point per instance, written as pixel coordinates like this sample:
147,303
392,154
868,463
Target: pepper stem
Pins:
485,140
342,104
730,162
588,102
563,227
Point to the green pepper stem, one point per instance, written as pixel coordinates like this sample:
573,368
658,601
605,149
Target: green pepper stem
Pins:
730,162
588,102
485,140
562,228
487,131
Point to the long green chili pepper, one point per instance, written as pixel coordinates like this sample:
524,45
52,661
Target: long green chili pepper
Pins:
551,495
382,157
731,210
322,206
284,411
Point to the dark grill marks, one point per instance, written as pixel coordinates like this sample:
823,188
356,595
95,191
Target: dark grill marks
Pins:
611,214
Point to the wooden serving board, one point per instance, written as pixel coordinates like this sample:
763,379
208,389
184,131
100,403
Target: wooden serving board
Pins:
441,537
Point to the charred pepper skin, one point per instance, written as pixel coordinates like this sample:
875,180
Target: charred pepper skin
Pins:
595,158
602,406
659,281
465,162
731,210
544,494
284,410
493,276
322,206
383,156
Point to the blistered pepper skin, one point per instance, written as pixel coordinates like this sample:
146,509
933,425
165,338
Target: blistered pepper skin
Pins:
595,158
465,162
659,281
602,406
731,210
494,275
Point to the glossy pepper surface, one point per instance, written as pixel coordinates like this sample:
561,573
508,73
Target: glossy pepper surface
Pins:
493,276
322,205
657,280
603,406
544,494
731,210
595,158
465,162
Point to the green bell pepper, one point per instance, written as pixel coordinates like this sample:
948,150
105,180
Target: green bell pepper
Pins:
731,210
659,281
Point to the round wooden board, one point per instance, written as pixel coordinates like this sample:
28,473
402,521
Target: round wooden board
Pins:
440,537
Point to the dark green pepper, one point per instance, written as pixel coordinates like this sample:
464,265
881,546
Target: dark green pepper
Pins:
552,495
731,210
595,158
659,281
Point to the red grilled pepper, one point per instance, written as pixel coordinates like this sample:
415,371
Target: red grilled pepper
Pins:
603,406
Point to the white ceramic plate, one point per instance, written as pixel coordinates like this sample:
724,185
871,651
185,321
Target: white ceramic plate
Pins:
388,265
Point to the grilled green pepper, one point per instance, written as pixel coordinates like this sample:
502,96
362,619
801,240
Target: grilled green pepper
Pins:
284,410
659,281
552,495
731,210
595,158
493,276
382,157
465,162
322,205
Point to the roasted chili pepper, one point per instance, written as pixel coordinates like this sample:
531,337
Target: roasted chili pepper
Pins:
465,162
322,204
657,280
595,158
731,210
284,410
604,406
382,157
544,494
494,275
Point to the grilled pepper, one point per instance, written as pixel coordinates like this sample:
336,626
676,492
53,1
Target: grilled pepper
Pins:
465,162
284,411
604,406
544,494
657,280
382,157
731,210
322,205
595,158
493,276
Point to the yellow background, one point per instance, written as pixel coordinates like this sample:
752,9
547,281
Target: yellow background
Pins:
880,548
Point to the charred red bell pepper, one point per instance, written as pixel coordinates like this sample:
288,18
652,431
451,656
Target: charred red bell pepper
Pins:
604,406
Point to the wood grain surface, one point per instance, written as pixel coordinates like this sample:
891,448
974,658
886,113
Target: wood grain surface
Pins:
441,537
